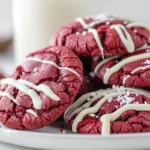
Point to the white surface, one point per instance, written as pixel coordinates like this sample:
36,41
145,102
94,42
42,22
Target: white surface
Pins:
50,138
4,146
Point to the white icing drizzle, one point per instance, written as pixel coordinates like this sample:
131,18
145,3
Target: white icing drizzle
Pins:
41,88
96,20
121,30
126,39
103,62
134,24
105,119
125,77
32,112
54,64
22,85
72,109
104,94
75,110
145,46
83,23
97,39
75,107
140,68
8,95
118,66
90,110
37,102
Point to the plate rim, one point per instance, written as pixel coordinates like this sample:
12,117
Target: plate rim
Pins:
42,140
75,135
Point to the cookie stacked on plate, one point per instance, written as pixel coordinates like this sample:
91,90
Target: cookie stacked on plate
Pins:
84,60
119,56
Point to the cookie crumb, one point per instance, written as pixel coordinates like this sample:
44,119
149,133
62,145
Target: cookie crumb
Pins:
114,86
147,62
83,33
97,117
107,23
35,70
62,131
92,74
125,22
135,31
77,33
145,102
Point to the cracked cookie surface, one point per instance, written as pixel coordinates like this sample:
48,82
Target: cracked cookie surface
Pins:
131,70
40,89
117,110
102,35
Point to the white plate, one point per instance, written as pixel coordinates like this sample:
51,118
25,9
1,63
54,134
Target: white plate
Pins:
50,138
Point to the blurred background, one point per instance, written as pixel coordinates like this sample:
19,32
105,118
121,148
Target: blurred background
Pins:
135,9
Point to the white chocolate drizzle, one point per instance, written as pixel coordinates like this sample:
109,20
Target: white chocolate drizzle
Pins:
32,112
37,102
140,68
145,46
41,88
54,64
125,77
8,95
90,110
119,65
81,108
83,23
126,39
105,119
96,20
103,62
97,39
22,85
134,24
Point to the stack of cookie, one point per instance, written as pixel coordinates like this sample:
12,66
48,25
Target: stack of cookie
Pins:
100,62
119,56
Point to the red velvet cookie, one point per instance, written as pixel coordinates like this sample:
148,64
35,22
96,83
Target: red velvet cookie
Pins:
131,70
90,83
40,89
117,110
102,35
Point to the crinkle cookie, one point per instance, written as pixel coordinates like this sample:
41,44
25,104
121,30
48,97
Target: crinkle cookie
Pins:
116,110
40,89
131,70
102,35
